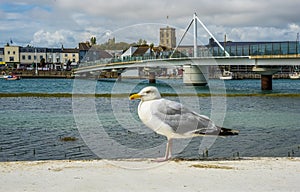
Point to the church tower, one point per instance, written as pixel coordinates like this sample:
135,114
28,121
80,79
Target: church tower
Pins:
167,37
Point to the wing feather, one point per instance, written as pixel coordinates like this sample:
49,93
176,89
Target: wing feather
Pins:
181,119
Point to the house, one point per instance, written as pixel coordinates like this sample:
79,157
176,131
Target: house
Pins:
53,57
96,54
69,58
2,62
134,52
30,57
12,55
84,47
88,53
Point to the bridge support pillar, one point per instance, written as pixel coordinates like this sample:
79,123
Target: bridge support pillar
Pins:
152,77
266,76
119,79
195,75
266,82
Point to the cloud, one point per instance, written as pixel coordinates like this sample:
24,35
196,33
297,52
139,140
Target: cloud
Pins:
77,20
55,39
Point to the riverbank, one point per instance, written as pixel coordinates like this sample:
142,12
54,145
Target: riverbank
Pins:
113,75
251,174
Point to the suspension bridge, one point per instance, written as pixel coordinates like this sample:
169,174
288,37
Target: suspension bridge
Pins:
264,59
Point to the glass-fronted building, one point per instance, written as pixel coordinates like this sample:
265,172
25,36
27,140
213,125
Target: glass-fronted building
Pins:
255,48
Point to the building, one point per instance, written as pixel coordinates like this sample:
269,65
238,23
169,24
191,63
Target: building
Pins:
255,48
69,58
71,55
11,55
32,56
83,50
2,62
53,58
139,51
167,37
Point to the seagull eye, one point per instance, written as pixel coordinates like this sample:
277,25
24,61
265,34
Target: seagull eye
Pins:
148,92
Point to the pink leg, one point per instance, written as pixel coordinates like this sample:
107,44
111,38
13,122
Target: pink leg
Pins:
168,154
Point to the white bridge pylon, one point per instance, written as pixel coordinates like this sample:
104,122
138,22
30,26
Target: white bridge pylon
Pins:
194,21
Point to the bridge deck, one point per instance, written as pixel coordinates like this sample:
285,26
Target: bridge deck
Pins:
262,60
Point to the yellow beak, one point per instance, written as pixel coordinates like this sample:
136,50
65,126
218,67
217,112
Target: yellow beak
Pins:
135,96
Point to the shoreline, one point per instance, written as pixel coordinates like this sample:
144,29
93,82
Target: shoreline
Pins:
245,174
123,95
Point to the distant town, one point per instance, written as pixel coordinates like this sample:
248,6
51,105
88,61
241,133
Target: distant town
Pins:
29,58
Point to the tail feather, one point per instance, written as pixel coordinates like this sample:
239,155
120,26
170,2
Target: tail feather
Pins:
221,131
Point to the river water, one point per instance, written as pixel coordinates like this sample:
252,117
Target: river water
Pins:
107,126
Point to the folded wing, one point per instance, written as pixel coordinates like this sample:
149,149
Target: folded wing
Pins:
182,120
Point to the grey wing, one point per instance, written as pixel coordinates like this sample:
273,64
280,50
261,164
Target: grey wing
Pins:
182,120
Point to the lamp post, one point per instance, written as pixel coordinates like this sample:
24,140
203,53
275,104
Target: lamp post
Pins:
36,67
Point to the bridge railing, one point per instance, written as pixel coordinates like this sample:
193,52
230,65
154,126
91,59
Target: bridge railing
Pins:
234,49
126,60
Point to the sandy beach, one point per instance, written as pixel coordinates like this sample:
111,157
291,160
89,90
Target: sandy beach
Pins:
248,174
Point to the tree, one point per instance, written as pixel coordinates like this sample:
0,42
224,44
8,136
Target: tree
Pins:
43,62
93,41
68,65
142,42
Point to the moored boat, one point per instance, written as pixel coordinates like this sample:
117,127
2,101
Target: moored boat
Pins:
294,75
13,77
226,75
3,76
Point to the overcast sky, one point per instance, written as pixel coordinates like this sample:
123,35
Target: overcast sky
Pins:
51,23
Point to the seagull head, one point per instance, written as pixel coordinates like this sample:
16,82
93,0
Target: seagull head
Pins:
147,94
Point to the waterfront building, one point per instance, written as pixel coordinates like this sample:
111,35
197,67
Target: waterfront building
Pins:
2,62
255,48
30,57
84,47
12,55
70,55
258,48
167,37
53,58
69,58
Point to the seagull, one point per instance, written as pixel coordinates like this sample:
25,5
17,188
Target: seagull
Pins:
174,120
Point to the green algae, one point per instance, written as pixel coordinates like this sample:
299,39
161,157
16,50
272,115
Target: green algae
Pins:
122,95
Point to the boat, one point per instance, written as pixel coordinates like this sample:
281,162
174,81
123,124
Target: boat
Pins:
226,75
294,75
3,76
12,77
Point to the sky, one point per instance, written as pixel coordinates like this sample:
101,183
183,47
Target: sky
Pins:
53,23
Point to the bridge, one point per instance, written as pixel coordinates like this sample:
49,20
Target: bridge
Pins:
264,57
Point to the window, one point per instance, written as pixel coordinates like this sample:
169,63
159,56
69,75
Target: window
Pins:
8,52
73,60
14,52
23,57
73,55
29,57
41,57
11,59
66,55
